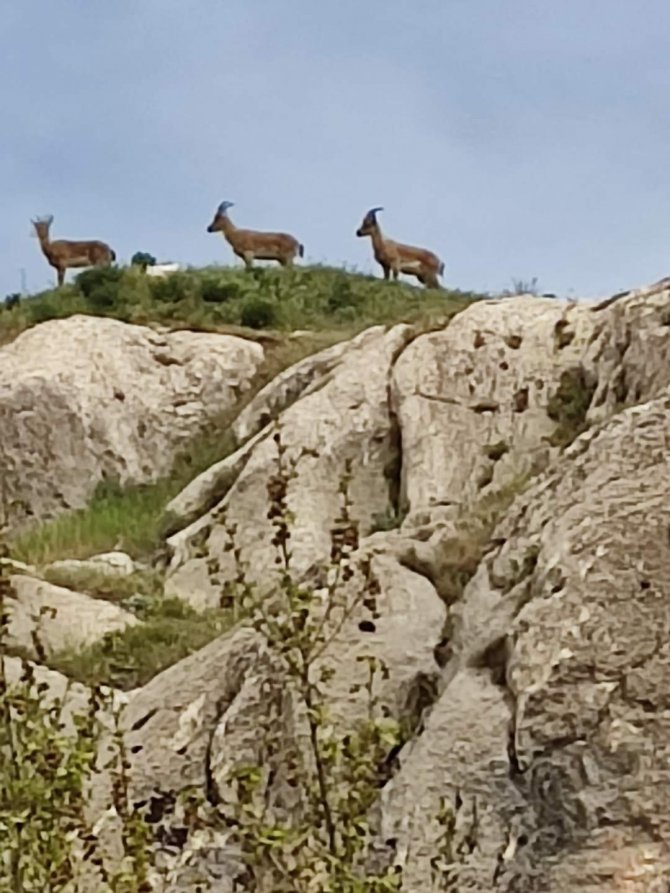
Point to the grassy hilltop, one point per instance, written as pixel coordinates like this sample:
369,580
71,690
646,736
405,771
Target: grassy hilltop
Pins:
318,299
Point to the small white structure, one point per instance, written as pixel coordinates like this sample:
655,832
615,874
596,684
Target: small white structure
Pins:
160,270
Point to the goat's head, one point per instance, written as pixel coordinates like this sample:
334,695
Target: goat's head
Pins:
369,223
42,225
217,224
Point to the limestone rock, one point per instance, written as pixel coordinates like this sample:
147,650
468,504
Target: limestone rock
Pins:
62,619
471,400
296,381
109,564
553,723
208,488
84,399
630,351
345,419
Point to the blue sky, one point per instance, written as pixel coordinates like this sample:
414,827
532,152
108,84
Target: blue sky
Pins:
516,138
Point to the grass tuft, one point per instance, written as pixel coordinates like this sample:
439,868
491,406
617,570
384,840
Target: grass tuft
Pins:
130,658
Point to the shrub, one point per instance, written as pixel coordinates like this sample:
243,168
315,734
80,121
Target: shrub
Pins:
172,289
142,259
100,286
257,313
12,300
341,293
569,404
217,292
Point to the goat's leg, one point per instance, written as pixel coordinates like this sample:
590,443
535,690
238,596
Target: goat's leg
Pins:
61,275
387,271
248,259
396,273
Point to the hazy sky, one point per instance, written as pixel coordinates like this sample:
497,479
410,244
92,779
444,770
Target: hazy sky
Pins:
516,138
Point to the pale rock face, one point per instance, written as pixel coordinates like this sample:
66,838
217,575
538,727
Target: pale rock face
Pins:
110,564
62,619
630,351
296,381
195,722
553,718
347,418
546,725
482,382
83,399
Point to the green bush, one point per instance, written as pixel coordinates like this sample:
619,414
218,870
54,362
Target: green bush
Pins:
173,288
257,313
100,286
217,292
142,259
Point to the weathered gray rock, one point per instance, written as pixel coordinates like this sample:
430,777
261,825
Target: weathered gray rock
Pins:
553,719
84,399
629,355
197,721
109,564
471,400
61,619
346,419
296,381
207,489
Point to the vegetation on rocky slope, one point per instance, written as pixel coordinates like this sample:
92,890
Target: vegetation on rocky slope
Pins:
318,299
326,305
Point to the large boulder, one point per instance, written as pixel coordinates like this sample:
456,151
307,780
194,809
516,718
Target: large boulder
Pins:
550,740
472,399
58,618
346,419
84,399
629,354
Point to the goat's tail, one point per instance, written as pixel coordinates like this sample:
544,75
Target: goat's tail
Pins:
112,254
440,269
301,250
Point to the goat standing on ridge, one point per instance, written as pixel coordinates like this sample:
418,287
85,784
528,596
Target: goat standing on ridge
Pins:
250,245
63,254
398,258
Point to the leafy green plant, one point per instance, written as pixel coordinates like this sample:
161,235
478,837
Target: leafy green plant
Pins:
100,286
569,404
49,755
258,313
142,259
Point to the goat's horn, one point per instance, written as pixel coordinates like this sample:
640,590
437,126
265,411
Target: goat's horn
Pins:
374,210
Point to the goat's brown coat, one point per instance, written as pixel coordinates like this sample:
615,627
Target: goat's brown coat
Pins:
394,257
250,245
64,254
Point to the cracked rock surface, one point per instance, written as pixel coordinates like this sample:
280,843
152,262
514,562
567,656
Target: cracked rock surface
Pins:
522,607
86,398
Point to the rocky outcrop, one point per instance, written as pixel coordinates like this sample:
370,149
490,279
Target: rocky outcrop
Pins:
107,564
346,419
472,400
87,399
519,608
552,727
60,618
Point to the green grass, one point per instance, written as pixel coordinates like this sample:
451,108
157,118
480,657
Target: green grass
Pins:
221,298
128,659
